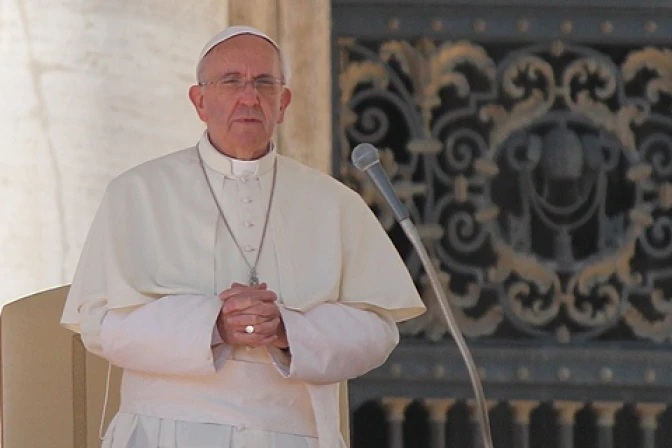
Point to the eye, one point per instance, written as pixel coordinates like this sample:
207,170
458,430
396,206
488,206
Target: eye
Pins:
268,85
231,81
266,82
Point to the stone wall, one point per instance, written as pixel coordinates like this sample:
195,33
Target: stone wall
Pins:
89,88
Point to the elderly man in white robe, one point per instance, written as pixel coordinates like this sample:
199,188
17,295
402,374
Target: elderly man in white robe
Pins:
237,289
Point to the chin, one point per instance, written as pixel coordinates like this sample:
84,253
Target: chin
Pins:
250,138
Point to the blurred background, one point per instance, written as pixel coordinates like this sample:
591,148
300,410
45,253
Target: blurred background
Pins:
530,139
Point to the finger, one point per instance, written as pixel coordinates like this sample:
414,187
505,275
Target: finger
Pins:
261,330
238,304
260,294
236,288
265,310
243,320
256,339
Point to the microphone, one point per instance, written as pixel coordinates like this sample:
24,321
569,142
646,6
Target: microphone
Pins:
365,158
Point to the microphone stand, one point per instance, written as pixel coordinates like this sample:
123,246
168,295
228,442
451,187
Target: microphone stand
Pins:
484,419
365,158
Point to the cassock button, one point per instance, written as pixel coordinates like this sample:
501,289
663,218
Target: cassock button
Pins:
249,249
246,200
249,224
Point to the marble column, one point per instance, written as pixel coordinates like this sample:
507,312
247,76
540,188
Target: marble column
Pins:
521,420
302,29
477,426
89,88
648,422
261,14
566,414
438,410
395,413
606,417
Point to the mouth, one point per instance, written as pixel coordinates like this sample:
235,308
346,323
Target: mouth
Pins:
247,120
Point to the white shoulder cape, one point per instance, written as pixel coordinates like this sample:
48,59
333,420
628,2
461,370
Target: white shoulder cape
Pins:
156,225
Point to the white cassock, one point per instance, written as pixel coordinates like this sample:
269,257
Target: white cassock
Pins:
145,297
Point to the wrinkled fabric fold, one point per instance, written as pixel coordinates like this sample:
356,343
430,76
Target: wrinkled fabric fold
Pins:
329,244
136,431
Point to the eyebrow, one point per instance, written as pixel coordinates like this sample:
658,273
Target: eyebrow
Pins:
234,73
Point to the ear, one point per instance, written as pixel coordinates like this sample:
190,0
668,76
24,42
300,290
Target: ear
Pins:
285,99
196,97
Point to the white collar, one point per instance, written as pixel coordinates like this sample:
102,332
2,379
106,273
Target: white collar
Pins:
231,167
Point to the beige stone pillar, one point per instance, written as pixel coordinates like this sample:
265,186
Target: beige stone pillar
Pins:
648,422
261,14
302,29
438,410
566,414
476,424
606,419
395,413
89,88
521,421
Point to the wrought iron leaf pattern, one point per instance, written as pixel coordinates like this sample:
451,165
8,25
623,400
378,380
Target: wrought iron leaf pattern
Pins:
657,60
540,179
527,107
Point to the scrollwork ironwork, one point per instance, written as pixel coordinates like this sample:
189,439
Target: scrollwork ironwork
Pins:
540,179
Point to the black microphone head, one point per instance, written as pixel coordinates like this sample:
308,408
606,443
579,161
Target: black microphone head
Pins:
364,156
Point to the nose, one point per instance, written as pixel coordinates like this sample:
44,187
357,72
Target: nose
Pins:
249,95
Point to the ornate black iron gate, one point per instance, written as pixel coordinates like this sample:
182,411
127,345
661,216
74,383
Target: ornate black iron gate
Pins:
532,143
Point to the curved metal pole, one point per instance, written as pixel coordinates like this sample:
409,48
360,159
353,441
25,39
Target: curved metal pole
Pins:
484,419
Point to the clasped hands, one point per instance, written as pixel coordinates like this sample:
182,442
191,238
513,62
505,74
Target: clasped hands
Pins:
244,305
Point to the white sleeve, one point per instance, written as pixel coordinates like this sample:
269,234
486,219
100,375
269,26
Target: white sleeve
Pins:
333,342
174,335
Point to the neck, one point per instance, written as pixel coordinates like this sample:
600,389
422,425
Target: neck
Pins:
244,154
241,153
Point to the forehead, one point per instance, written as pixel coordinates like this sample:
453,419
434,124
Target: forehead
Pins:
242,53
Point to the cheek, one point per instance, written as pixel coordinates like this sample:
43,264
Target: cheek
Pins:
272,112
215,108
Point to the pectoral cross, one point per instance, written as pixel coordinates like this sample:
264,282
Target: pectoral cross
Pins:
254,279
